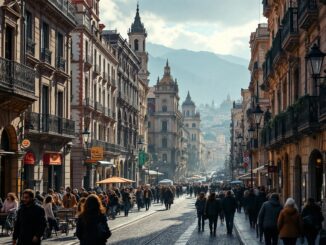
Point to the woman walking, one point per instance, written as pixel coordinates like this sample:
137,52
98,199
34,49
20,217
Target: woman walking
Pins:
213,207
126,199
312,220
92,227
200,206
289,223
49,215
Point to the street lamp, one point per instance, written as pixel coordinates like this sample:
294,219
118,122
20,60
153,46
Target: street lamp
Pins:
316,59
86,135
157,175
251,131
140,144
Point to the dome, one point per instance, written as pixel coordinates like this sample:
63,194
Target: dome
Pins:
167,79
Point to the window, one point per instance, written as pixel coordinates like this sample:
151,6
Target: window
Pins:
164,126
193,137
29,25
194,125
136,43
164,143
60,45
296,84
164,157
187,113
45,36
149,124
164,108
187,125
60,104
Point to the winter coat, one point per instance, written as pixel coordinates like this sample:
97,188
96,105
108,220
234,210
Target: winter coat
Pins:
268,214
251,203
113,200
229,205
69,200
213,208
88,233
289,223
30,222
168,196
260,199
200,205
312,212
148,193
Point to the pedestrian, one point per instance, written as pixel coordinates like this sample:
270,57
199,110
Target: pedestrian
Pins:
147,197
251,208
113,203
126,200
139,198
229,207
200,207
92,227
69,199
10,205
221,196
49,215
30,223
213,207
267,219
289,223
168,197
312,218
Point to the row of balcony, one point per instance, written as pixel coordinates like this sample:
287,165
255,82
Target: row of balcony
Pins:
47,123
66,8
304,117
16,78
109,147
99,108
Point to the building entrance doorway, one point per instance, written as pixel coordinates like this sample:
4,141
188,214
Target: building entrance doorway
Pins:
316,175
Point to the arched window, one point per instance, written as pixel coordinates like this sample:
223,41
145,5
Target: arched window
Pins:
187,113
136,44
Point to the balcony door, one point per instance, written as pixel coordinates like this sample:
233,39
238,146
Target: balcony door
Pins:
9,43
45,108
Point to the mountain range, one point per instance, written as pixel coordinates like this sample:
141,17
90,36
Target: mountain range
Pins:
208,76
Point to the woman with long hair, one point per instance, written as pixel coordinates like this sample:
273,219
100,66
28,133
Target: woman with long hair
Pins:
92,227
49,215
10,204
289,223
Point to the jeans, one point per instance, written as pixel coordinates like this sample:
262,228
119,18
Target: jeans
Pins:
271,236
212,223
113,211
201,221
126,207
229,217
147,203
289,240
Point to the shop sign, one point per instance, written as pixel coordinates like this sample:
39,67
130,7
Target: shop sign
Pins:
97,154
29,158
52,159
25,143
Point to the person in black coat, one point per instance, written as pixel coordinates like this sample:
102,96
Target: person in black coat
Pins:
251,208
30,223
229,206
147,197
92,227
312,220
168,197
212,210
200,207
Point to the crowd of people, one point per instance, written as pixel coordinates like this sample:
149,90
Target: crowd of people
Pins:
264,212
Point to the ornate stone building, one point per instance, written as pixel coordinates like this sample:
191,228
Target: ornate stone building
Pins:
191,121
94,73
36,60
165,125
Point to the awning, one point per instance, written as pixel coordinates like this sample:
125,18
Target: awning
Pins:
245,176
153,172
106,163
258,169
29,158
52,159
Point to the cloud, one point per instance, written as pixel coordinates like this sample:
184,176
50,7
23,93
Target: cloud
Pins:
218,26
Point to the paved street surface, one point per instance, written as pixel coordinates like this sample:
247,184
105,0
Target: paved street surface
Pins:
156,226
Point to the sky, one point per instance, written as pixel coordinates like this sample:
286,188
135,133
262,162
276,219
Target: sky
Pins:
220,26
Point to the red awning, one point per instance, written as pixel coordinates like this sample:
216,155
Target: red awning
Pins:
52,159
29,158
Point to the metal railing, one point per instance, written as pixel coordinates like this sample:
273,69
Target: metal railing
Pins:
30,46
98,106
114,148
65,7
290,23
61,63
308,112
16,76
46,55
47,123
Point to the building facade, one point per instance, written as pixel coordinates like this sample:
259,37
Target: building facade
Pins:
94,75
191,121
165,125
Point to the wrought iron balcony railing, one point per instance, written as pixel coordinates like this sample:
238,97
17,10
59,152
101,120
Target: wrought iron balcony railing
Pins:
308,13
46,123
322,103
65,7
16,77
61,63
290,29
46,55
30,46
307,108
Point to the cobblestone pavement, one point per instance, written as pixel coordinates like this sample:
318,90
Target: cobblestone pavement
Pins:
156,226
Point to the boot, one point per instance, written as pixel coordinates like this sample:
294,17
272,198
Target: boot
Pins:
203,228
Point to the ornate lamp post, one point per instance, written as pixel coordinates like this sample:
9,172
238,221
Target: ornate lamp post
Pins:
140,144
251,132
86,135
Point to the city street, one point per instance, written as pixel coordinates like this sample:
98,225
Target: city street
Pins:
156,226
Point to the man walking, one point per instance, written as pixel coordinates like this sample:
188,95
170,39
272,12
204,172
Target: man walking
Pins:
147,197
229,205
267,219
31,222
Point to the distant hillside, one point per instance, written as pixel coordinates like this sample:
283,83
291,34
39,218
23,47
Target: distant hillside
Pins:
208,76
